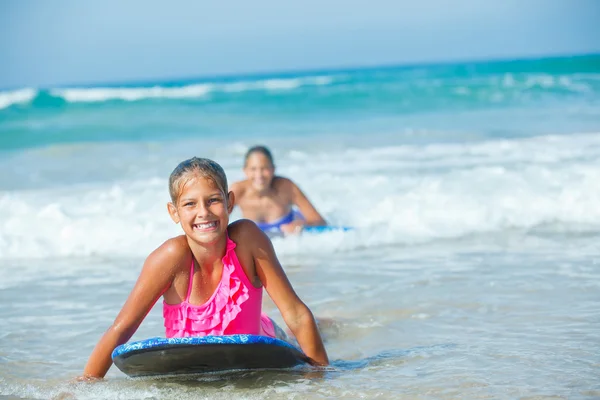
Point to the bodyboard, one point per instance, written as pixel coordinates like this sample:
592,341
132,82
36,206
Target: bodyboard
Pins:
326,228
194,355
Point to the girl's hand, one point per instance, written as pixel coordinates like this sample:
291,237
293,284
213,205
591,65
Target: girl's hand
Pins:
293,228
313,363
87,378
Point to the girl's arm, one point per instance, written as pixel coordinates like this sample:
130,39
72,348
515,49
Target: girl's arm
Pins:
296,314
155,278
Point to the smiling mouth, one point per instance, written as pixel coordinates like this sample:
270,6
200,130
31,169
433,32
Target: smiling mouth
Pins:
206,225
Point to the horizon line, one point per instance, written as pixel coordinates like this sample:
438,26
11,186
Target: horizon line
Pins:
302,71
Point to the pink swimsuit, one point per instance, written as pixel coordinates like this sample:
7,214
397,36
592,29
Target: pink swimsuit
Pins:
234,308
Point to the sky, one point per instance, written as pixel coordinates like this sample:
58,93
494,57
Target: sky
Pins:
62,42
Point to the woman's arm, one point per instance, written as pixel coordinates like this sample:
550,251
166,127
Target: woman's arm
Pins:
156,276
309,212
296,314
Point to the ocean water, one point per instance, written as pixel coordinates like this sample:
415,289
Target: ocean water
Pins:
474,188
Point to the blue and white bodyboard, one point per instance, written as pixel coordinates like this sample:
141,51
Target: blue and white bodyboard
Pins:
194,355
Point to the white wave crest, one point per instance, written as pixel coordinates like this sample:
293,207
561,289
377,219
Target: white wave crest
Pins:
131,94
99,94
20,96
576,83
391,195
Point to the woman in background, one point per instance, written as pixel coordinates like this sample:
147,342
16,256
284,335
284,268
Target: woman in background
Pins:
269,200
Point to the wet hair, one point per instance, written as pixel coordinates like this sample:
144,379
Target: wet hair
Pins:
259,149
196,167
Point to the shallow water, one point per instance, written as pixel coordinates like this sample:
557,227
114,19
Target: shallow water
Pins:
456,319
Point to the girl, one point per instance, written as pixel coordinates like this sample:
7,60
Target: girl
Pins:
211,277
268,199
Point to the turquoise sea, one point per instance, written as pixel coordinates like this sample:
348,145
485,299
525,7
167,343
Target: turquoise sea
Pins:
473,271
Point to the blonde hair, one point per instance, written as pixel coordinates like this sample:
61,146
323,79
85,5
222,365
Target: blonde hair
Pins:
194,167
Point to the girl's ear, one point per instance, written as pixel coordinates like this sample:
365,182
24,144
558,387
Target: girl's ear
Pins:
230,202
173,212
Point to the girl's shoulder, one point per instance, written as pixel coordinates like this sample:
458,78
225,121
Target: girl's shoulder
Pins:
242,229
176,245
246,234
172,254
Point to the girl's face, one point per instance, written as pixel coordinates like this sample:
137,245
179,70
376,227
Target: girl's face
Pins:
259,171
203,210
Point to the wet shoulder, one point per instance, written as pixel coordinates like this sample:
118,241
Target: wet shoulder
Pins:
173,254
283,186
282,181
176,245
242,231
247,236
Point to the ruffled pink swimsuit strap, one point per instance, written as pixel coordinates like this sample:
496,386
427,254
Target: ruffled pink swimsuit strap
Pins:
191,282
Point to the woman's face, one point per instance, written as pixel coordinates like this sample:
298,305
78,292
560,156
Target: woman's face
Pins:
259,171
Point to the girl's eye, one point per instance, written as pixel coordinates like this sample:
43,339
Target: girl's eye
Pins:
188,204
211,201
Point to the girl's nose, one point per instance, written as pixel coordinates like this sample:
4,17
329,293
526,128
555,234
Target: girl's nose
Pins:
202,210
